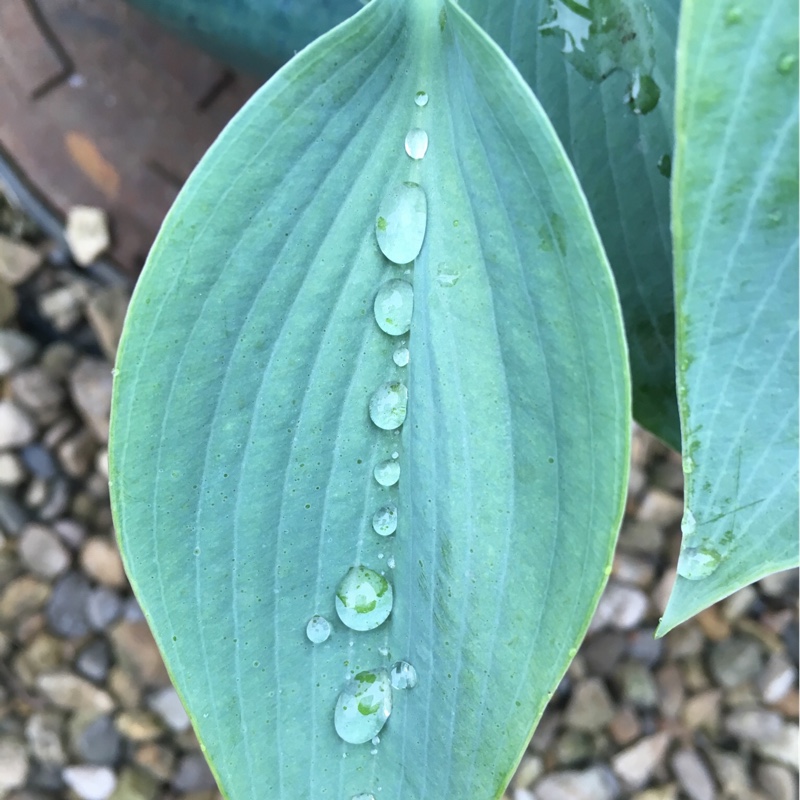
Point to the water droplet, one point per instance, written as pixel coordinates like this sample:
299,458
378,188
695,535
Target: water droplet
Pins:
421,99
387,406
363,706
696,563
376,740
395,455
403,675
401,221
363,599
384,521
665,165
416,143
786,63
394,304
363,797
734,15
390,562
447,276
643,94
688,466
688,524
318,629
401,356
387,473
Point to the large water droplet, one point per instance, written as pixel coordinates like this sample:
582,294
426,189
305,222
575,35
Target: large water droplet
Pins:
665,165
387,406
401,221
401,356
363,599
416,143
318,629
384,521
403,675
421,99
387,473
363,706
394,304
696,563
363,797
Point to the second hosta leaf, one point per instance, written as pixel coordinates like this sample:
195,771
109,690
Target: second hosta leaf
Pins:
280,422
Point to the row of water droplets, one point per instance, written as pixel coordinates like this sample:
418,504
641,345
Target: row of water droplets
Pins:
364,597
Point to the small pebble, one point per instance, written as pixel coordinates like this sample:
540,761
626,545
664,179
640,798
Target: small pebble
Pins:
693,775
90,782
168,706
87,234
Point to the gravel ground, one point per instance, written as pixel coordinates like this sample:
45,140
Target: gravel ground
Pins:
86,708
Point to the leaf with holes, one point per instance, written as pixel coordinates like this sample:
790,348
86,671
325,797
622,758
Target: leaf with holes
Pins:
735,229
370,421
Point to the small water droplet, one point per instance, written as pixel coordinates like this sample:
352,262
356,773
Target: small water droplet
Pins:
318,629
401,222
390,562
688,466
395,455
734,15
643,94
786,63
363,706
387,406
393,307
363,599
384,521
363,797
416,143
688,524
665,165
401,356
421,99
447,276
376,740
387,473
403,675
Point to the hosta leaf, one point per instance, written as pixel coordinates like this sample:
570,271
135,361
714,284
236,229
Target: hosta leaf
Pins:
248,476
622,158
735,230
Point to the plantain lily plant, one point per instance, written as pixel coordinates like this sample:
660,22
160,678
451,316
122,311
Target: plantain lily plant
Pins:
372,404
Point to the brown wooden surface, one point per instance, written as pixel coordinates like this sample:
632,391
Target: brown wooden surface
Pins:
99,106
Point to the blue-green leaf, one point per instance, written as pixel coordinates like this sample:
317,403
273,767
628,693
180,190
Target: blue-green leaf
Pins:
269,433
735,230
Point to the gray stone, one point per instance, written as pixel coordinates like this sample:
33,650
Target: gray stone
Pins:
90,782
106,313
646,538
77,453
90,387
602,652
67,609
37,391
58,359
732,773
39,461
590,708
56,501
693,775
739,603
643,646
9,304
12,471
70,692
63,306
596,783
44,731
574,749
71,532
638,685
753,724
94,660
734,661
778,783
135,785
621,607
16,349
136,652
193,774
779,583
17,427
87,233
13,516
18,261
783,747
776,679
168,706
42,551
103,607
13,764
635,765
23,596
95,739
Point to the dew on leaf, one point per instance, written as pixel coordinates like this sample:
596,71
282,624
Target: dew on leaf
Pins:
393,307
318,629
401,222
786,63
665,165
403,675
421,99
363,706
416,143
363,797
696,563
401,356
384,521
363,599
643,94
388,404
387,473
